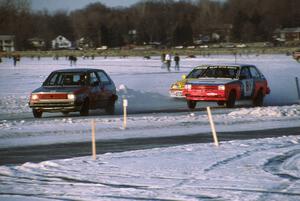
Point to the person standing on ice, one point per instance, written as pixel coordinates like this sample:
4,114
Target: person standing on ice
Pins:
168,61
16,58
163,61
176,59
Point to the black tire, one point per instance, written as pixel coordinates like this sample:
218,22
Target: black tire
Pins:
37,113
110,108
221,103
85,108
258,101
191,104
230,103
65,113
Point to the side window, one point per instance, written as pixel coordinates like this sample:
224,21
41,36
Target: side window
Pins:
93,78
52,80
245,73
254,72
103,77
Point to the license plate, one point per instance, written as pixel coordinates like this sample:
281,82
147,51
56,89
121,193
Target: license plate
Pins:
178,93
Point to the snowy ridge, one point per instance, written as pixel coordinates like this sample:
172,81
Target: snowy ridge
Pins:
284,111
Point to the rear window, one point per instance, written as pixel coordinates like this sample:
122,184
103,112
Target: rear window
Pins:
66,79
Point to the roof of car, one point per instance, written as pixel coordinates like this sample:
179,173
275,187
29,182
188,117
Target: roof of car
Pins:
226,64
77,70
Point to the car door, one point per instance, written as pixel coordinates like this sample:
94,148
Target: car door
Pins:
106,86
258,80
247,83
95,90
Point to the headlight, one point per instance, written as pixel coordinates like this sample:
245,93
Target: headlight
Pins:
71,96
188,86
174,86
221,87
34,97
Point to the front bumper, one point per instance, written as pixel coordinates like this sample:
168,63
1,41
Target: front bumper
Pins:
203,95
176,93
56,105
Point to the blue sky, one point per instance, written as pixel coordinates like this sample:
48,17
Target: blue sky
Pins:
69,5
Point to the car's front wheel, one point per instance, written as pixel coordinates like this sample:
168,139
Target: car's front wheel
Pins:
110,108
220,103
65,113
191,104
85,108
231,100
37,113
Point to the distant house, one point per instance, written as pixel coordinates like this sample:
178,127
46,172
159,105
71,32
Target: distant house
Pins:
287,34
214,33
60,42
7,43
37,43
84,43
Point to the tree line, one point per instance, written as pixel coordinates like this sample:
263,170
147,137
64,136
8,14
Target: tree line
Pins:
167,22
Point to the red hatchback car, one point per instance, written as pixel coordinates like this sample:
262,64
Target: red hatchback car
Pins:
72,90
225,84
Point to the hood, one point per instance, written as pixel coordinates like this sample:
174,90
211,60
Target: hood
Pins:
181,83
56,89
212,81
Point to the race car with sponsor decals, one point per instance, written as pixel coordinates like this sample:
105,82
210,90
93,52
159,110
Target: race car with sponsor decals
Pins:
225,84
72,90
296,55
176,89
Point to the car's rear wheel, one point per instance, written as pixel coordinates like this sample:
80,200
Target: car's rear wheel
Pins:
259,99
85,108
191,104
110,108
230,103
37,113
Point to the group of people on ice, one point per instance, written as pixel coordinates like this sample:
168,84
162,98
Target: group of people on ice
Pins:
166,60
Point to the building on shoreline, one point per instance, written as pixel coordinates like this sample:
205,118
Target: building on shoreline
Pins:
7,43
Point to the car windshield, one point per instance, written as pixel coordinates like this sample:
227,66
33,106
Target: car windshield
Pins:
221,72
66,79
196,73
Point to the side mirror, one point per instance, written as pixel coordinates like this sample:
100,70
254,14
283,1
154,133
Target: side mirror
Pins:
183,77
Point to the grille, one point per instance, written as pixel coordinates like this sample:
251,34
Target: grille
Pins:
53,104
53,96
202,87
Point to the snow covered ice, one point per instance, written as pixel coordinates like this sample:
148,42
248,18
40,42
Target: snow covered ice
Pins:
267,169
259,169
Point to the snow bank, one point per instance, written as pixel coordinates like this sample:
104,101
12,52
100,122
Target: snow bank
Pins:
265,169
285,111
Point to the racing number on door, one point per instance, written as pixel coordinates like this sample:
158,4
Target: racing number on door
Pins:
247,82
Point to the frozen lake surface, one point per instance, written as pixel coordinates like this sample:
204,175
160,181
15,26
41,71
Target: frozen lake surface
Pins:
260,169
